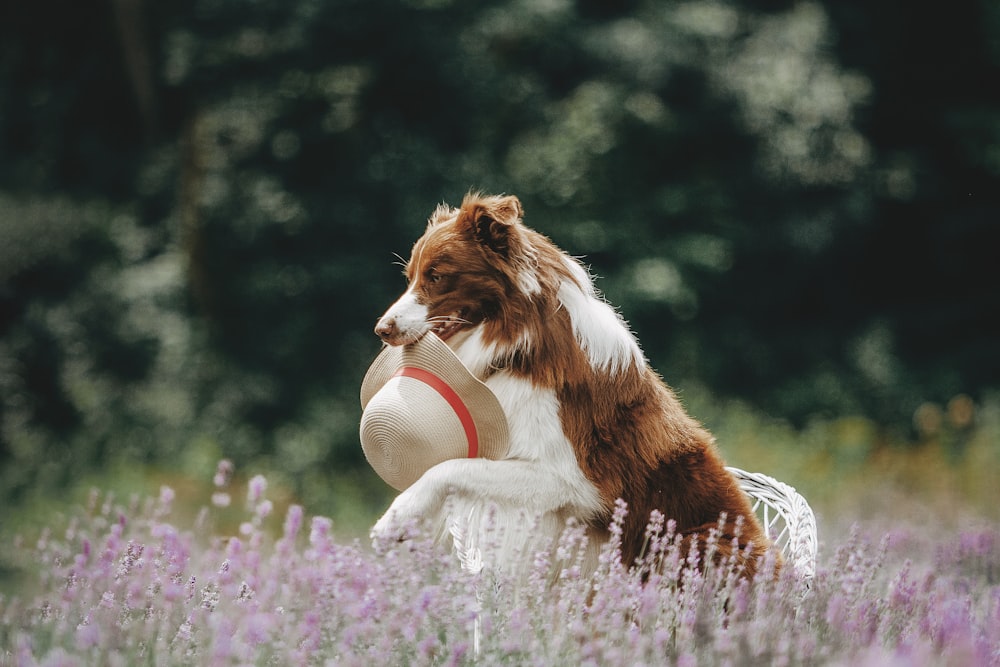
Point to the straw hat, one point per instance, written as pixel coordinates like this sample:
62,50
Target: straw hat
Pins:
422,406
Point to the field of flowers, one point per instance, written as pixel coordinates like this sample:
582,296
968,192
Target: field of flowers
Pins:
138,582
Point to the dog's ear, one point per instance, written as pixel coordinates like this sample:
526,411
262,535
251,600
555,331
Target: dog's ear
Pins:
492,221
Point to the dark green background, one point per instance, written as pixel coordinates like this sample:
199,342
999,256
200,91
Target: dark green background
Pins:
795,204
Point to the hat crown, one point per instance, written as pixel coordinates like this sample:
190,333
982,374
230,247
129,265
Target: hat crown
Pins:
422,406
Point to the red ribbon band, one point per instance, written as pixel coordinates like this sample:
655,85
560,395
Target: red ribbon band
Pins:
453,399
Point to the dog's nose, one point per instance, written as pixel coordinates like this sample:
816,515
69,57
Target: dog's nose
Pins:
386,328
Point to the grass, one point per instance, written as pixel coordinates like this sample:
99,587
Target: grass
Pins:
233,570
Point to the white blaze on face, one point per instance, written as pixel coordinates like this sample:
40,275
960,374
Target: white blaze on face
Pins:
407,318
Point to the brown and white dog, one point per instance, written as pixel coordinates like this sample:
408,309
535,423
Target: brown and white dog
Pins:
589,420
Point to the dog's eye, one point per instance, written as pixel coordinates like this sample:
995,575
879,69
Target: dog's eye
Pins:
434,276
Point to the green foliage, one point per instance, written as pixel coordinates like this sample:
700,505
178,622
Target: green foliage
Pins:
200,202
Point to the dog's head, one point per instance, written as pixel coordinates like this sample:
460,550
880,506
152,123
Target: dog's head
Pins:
461,271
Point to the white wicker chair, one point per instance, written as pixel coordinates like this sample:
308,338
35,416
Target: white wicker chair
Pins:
787,518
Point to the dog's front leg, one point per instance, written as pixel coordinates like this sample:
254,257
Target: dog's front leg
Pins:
514,485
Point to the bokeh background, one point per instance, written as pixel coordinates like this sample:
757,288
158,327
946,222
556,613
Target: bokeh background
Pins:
794,204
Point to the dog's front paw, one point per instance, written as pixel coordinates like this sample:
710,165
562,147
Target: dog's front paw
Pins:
404,520
391,529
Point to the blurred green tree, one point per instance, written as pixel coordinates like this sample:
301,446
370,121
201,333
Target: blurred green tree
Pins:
793,202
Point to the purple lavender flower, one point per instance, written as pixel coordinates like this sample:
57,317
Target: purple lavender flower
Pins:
134,584
255,489
223,472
